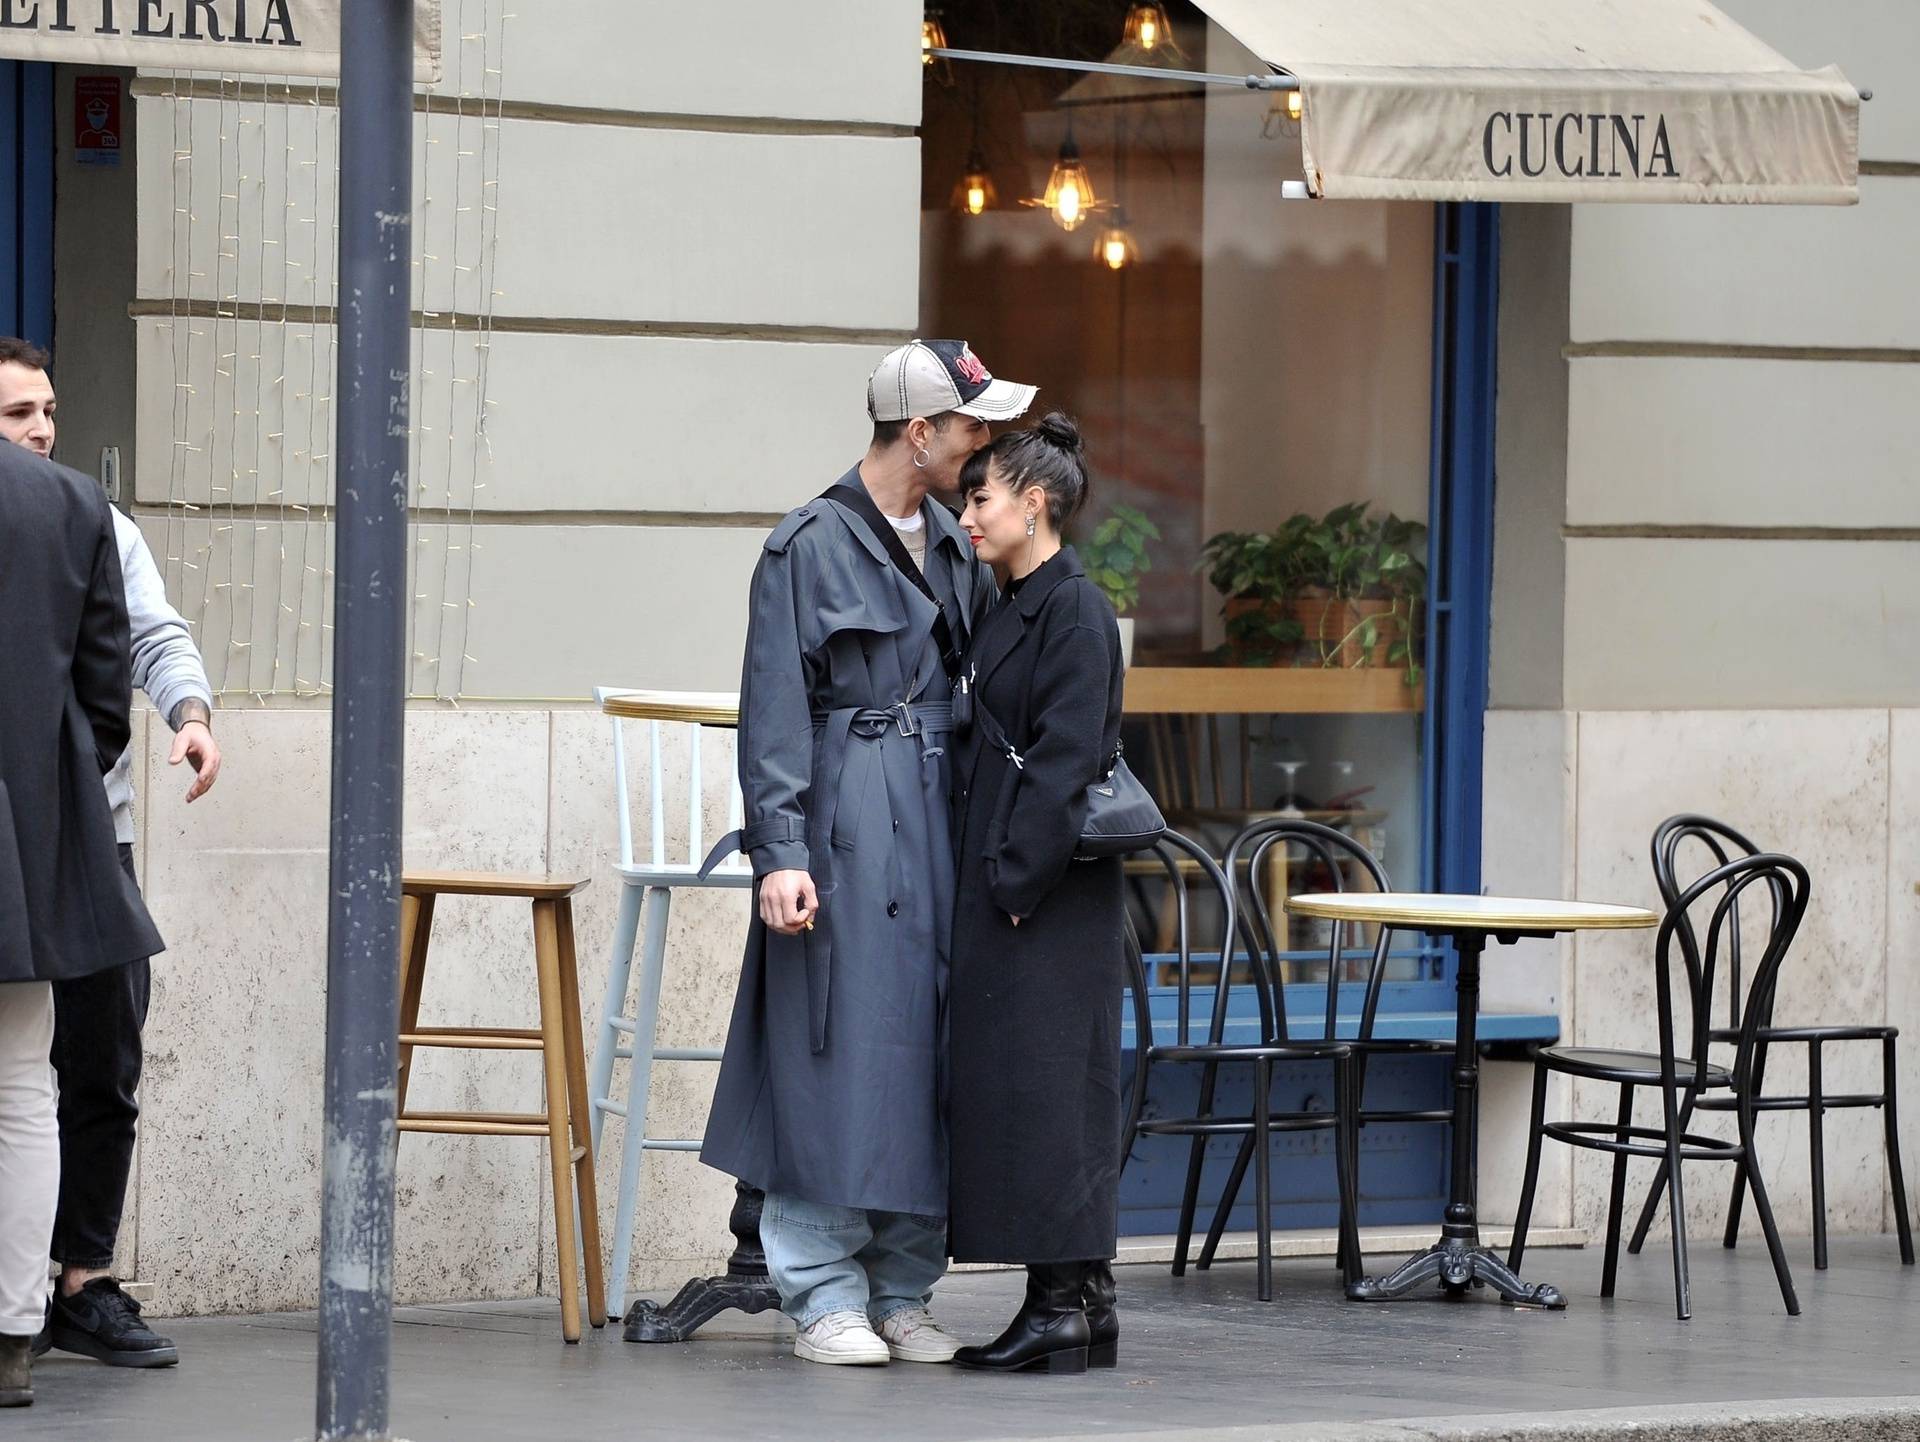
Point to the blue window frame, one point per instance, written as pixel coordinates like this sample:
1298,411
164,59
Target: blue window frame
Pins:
26,200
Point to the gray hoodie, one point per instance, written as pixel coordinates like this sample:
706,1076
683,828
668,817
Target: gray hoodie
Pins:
166,663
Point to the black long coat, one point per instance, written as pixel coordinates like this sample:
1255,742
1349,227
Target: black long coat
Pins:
66,687
1034,1103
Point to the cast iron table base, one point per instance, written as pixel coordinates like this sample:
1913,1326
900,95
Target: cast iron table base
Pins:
1457,1261
745,1287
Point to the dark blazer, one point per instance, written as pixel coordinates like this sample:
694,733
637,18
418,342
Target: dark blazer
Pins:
1034,1101
66,688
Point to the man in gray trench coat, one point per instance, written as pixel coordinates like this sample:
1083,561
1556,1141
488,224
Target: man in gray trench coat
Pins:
829,1092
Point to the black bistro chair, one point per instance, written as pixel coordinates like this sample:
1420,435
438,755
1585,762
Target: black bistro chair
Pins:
1682,1075
1202,873
1723,843
1280,843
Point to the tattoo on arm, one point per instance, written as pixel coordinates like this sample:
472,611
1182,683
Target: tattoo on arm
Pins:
191,709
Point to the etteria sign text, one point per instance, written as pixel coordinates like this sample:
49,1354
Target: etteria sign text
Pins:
252,22
1576,146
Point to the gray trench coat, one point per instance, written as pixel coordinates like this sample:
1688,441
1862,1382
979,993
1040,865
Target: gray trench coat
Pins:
829,1088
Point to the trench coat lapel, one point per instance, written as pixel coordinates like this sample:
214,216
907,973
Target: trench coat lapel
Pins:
1007,626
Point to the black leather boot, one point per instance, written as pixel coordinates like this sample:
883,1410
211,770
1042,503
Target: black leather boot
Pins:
1048,1334
1103,1318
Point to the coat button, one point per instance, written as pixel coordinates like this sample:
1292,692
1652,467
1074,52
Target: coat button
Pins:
893,908
896,824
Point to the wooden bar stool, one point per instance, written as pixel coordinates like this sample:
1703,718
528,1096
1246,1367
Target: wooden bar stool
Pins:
558,1040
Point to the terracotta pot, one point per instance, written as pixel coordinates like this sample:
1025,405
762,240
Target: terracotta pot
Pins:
1330,624
1248,605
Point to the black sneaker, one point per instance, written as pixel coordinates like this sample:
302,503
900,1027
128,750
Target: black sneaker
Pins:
102,1321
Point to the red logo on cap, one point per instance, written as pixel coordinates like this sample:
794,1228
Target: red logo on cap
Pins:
968,364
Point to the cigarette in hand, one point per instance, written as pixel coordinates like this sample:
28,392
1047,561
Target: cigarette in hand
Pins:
807,921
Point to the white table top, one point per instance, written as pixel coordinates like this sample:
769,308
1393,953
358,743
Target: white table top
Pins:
1473,913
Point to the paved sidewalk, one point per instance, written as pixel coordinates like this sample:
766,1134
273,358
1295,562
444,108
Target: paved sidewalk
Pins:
1199,1359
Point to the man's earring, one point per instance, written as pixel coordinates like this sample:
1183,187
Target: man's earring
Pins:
1030,523
921,457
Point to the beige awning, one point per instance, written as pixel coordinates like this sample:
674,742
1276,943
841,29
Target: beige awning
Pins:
1555,100
271,37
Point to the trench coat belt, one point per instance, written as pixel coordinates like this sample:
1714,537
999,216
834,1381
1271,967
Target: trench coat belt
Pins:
841,726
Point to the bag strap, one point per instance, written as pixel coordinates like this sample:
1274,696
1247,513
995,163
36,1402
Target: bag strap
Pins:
997,737
856,499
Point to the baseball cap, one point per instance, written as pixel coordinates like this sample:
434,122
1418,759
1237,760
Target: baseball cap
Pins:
931,377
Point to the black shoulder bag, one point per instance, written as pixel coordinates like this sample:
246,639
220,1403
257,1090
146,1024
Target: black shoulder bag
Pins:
1121,817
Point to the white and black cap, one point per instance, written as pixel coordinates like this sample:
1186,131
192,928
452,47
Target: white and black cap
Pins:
932,377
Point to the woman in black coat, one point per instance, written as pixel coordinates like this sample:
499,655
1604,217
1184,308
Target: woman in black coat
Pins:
1034,1000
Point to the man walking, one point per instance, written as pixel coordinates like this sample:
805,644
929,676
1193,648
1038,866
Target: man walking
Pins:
828,1097
98,1017
67,909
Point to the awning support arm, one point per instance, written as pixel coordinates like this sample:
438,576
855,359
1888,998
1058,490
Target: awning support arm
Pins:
1136,72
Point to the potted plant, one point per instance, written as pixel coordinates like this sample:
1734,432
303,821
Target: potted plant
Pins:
1344,589
1365,583
1255,572
1115,557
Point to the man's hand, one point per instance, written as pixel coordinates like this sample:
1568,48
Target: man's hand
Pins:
194,742
787,902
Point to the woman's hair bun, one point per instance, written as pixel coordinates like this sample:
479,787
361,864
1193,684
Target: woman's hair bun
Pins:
1061,431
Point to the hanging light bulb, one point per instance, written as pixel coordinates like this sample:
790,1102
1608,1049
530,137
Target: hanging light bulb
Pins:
1296,106
1069,196
1148,34
1115,248
933,36
974,192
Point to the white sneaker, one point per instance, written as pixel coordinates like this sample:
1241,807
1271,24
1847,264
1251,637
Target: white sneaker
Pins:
841,1339
913,1336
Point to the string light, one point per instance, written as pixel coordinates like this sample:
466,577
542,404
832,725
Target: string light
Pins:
933,36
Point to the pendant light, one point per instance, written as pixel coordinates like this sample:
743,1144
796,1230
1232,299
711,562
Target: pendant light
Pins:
974,193
1283,115
933,36
1148,34
1069,196
1115,248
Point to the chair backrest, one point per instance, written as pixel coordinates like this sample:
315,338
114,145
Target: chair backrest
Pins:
1171,850
1784,884
1282,840
671,723
1723,844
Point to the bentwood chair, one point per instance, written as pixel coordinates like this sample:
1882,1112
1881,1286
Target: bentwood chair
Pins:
1682,1075
1722,842
1262,1122
1280,845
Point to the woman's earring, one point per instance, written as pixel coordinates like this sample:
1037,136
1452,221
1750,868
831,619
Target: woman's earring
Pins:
921,457
1030,524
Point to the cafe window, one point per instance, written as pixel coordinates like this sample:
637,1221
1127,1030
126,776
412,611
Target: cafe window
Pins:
1253,375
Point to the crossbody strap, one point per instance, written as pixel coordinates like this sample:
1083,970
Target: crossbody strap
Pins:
856,499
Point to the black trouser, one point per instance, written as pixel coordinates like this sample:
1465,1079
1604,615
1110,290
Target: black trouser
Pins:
96,1053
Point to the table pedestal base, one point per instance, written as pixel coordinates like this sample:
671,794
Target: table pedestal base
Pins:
745,1287
1456,1263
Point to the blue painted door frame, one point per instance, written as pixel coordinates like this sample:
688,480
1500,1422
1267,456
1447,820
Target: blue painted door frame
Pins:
26,200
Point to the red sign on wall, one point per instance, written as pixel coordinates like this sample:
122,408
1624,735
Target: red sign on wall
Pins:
96,119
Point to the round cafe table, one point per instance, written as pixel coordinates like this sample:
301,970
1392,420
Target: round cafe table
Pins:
1457,1260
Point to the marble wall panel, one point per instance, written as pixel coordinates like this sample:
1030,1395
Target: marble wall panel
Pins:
1810,783
1903,933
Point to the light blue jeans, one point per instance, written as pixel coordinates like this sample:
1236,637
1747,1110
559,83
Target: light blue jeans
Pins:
825,1258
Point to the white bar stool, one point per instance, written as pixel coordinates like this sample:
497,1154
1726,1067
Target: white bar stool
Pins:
646,899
